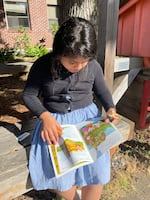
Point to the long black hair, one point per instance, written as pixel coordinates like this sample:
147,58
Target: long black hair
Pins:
75,37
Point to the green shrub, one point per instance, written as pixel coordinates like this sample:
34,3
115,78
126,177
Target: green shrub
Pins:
54,28
21,42
6,55
36,51
24,48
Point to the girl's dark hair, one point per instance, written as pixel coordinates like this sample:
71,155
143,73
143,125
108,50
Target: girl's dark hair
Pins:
75,37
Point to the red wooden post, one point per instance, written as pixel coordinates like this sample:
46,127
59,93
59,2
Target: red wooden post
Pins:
145,105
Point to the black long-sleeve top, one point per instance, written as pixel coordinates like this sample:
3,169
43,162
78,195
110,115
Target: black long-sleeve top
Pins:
68,92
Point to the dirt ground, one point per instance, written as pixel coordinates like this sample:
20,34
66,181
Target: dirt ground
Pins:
130,164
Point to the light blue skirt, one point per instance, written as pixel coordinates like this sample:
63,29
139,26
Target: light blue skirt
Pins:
40,165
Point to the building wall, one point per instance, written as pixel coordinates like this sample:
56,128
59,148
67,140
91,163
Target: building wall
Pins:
39,25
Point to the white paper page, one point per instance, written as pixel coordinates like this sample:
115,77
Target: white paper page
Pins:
77,148
99,139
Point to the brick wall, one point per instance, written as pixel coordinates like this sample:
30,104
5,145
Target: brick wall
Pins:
39,25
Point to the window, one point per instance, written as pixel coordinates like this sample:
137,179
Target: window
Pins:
17,13
53,11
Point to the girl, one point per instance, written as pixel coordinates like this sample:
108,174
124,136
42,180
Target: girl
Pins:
65,80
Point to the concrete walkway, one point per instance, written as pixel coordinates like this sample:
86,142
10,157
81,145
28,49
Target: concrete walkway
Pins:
141,190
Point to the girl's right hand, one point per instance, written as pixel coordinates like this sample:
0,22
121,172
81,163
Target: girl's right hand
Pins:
51,129
112,116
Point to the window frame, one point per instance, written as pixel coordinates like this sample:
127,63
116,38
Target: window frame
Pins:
57,5
17,17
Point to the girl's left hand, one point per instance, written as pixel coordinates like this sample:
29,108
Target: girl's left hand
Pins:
112,116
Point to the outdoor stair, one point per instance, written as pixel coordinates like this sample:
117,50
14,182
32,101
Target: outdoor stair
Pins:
125,71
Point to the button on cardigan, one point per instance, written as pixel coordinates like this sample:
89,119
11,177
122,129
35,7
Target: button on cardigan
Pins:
68,92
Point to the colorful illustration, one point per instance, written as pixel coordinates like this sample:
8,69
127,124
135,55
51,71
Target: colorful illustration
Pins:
74,145
55,158
62,148
69,146
81,145
94,133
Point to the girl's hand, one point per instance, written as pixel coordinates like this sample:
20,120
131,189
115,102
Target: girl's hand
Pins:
112,116
51,129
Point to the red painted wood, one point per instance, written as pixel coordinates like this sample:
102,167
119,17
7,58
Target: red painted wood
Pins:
134,29
145,105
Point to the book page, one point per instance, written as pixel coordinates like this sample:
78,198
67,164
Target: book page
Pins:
71,152
99,136
82,144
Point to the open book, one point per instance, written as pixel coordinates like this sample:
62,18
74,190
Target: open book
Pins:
82,144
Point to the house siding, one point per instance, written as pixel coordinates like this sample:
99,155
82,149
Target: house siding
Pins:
38,26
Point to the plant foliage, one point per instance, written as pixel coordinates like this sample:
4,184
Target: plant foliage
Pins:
6,54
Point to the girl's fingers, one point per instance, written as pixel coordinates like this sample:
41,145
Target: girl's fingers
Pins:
51,138
112,120
113,117
55,137
107,120
45,137
59,131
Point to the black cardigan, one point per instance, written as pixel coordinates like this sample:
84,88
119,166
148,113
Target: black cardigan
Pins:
69,92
